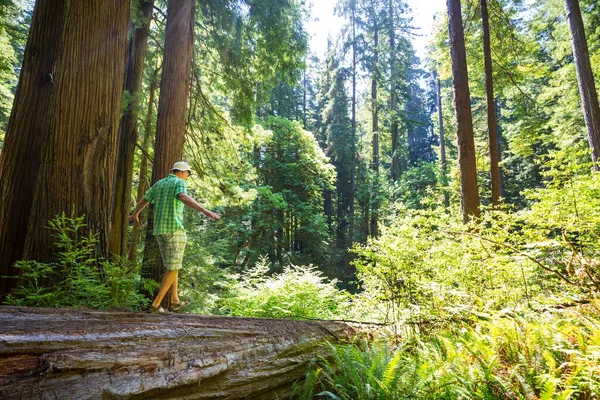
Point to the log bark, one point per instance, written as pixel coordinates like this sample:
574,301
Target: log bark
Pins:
78,354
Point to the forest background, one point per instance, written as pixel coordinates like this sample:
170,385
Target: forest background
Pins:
343,188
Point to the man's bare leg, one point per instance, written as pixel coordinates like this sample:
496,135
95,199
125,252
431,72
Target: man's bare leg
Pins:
174,291
167,282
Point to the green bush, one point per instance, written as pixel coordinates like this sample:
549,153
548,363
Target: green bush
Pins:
297,292
78,278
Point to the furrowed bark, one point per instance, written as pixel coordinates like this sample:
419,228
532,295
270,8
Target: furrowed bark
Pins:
68,353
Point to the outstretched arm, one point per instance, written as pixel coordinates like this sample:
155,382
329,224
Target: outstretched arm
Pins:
190,202
138,209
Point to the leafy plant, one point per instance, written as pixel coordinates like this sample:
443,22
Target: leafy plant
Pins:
297,292
78,278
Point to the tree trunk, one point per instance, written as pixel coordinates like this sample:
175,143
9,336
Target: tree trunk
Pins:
172,107
393,96
353,143
469,194
442,143
128,130
78,161
585,78
491,114
68,354
375,125
143,185
26,134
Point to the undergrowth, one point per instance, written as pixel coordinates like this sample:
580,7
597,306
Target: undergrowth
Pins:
77,278
552,355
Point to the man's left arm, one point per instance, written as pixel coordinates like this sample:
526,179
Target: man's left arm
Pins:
190,202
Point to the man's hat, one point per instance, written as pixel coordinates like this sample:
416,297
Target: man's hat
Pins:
181,166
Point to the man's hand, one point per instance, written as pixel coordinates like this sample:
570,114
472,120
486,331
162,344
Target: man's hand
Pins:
213,215
134,218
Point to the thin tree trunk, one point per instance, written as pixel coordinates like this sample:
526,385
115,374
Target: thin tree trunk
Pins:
353,143
143,184
73,354
393,96
375,125
172,106
585,78
78,161
442,144
128,130
26,134
469,194
491,114
499,146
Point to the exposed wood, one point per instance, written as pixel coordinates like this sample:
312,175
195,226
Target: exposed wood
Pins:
469,194
70,353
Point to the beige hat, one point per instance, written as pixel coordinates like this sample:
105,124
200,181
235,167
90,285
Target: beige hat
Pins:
181,166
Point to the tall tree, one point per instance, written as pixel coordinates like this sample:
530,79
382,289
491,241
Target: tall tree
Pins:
128,129
393,91
444,164
469,193
26,134
375,127
491,113
172,106
78,161
585,78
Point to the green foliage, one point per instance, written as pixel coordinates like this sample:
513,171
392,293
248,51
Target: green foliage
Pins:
426,264
77,278
297,292
547,356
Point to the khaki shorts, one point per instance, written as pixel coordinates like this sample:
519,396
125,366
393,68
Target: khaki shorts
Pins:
171,248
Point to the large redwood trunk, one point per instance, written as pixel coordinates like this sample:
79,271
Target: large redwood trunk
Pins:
69,354
585,78
78,161
26,134
469,194
128,130
172,107
491,112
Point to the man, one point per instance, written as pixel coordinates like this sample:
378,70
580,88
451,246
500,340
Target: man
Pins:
168,197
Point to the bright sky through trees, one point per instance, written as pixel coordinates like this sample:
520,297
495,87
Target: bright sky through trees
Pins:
325,23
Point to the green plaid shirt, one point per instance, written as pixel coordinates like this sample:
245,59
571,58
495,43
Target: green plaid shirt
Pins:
168,209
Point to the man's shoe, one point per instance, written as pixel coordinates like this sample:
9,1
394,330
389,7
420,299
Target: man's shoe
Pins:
156,310
179,306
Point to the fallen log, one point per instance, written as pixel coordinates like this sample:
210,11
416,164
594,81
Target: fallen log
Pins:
82,354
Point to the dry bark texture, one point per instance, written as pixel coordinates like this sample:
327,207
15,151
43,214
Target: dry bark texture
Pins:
77,354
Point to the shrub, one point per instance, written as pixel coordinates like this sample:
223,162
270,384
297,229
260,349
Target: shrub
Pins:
77,278
297,292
